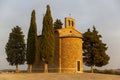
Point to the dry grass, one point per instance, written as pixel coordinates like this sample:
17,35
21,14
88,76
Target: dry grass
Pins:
57,76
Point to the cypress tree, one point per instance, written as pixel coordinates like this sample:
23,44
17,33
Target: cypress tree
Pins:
94,50
32,42
47,43
58,24
15,47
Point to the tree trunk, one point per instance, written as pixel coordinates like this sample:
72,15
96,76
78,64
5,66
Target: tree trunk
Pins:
46,68
17,70
92,69
30,68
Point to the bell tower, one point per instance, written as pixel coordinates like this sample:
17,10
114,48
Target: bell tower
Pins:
69,22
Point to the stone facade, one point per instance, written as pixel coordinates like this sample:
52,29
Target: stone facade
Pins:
70,54
68,50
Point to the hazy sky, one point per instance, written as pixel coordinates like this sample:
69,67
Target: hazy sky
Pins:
104,14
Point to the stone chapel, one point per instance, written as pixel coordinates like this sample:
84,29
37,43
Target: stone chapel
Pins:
68,50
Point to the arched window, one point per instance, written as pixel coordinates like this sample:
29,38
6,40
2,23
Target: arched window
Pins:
68,22
72,23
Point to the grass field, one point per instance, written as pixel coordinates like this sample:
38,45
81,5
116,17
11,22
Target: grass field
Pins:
57,76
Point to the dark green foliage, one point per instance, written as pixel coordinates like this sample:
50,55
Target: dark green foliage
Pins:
15,47
95,71
31,40
58,24
94,50
109,71
106,71
47,38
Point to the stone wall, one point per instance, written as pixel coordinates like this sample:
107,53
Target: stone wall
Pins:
71,52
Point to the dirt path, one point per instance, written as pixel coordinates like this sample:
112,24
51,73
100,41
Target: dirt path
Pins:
57,76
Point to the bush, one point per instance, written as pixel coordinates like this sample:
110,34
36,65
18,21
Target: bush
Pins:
97,71
109,71
106,71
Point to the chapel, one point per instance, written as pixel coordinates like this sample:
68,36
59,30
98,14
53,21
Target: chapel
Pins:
68,50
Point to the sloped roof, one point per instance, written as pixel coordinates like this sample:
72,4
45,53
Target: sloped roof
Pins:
69,32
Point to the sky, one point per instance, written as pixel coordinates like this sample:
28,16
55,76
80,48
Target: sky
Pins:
104,14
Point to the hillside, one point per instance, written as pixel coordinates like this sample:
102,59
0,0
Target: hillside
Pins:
57,76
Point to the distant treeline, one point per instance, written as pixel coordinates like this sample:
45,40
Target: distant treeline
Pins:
106,71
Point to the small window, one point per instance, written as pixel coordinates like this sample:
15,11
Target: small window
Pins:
68,22
72,23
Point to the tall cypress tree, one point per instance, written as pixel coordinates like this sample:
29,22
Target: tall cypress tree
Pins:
32,42
47,39
94,50
15,47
